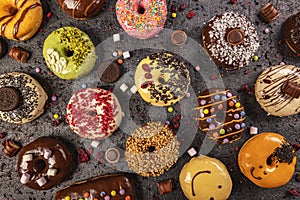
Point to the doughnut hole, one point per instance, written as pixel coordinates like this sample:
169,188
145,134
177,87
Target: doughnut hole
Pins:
39,165
68,52
141,10
151,149
11,10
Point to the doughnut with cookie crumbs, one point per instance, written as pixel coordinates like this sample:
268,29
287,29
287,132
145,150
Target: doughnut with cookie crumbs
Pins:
94,113
268,160
277,90
230,40
44,163
152,149
22,98
162,79
222,116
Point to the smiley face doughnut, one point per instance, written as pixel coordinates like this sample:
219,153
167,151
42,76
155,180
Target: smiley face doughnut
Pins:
205,178
44,163
162,79
222,116
277,90
267,160
94,113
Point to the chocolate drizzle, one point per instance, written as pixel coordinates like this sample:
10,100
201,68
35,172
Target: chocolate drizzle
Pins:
272,92
193,179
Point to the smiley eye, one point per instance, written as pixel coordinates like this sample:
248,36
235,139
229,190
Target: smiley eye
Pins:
265,173
211,198
220,186
260,166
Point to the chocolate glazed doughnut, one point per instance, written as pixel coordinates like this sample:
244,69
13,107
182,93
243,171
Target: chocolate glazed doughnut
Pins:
81,9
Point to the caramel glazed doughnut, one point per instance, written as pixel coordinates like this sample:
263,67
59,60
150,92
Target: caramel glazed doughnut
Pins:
32,98
222,116
20,19
230,40
44,163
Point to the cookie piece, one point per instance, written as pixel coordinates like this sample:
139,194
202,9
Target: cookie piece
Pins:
9,98
222,116
109,72
277,90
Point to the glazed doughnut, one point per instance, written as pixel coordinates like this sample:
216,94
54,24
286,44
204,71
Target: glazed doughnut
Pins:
205,178
101,187
291,32
44,163
142,19
267,160
69,53
25,98
277,90
230,40
94,113
162,79
222,116
81,9
20,19
152,149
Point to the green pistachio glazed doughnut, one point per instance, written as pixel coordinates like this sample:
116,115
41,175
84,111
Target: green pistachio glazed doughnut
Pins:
69,53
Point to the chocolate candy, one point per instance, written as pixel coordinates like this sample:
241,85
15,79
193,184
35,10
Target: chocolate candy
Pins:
3,48
235,36
179,37
19,54
9,99
102,187
291,88
269,12
10,148
109,72
165,187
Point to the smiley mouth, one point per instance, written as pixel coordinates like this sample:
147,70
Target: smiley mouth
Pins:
252,173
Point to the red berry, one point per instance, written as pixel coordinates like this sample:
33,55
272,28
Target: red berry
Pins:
49,15
2,135
183,7
83,157
233,1
294,192
174,9
191,14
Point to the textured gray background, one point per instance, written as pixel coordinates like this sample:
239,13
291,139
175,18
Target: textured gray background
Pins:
271,52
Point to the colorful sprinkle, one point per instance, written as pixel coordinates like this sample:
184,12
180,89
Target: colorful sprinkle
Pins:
84,85
237,105
208,120
237,127
222,131
224,98
190,14
282,63
120,52
229,94
212,110
174,15
170,109
102,194
113,193
231,103
197,68
255,58
243,125
215,135
37,70
242,113
167,122
203,102
56,116
86,194
107,198
67,198
115,54
225,141
220,106
188,95
267,30
120,61
236,116
122,192
206,111
127,197
212,126
217,97
53,98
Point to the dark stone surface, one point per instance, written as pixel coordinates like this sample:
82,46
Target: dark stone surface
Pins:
271,52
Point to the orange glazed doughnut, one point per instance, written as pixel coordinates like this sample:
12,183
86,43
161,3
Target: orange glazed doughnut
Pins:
20,19
267,160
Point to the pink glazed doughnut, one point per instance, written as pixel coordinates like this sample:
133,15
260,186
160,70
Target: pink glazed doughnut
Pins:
142,19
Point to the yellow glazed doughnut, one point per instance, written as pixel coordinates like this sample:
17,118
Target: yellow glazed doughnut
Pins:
267,160
205,178
162,79
20,19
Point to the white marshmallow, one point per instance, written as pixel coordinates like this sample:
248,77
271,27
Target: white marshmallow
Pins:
51,172
95,143
27,157
192,152
116,37
133,89
126,54
124,87
25,178
253,130
41,181
47,153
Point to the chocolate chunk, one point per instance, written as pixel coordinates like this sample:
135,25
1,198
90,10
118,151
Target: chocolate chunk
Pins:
10,148
179,37
235,37
3,48
291,88
19,54
109,72
9,99
269,12
165,187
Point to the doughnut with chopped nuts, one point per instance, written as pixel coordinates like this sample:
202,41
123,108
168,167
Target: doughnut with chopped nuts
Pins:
230,40
94,113
222,116
162,79
152,149
22,98
44,163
